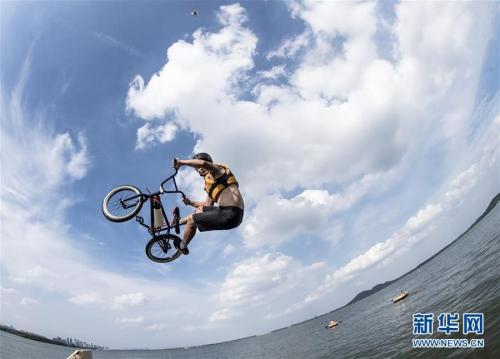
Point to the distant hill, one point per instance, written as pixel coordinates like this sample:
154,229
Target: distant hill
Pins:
369,292
378,287
492,205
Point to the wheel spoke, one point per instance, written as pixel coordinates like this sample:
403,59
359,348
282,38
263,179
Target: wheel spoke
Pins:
122,203
160,249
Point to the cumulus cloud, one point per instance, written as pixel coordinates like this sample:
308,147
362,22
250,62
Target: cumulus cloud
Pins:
291,46
28,301
7,291
342,112
147,134
379,254
276,220
273,73
254,281
127,320
79,162
86,298
194,70
156,327
129,300
423,217
223,314
228,250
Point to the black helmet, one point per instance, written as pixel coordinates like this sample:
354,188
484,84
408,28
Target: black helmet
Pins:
203,156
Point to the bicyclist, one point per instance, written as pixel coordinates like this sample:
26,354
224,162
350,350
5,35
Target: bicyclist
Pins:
222,189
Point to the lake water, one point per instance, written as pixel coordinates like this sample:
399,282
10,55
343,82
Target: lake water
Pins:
463,278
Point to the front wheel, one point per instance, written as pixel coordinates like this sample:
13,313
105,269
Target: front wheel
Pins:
122,203
161,249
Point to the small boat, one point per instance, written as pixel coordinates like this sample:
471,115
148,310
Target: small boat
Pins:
332,324
401,295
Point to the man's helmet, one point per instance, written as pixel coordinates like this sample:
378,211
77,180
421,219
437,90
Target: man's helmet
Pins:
203,156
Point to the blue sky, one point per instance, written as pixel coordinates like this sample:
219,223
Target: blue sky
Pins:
364,136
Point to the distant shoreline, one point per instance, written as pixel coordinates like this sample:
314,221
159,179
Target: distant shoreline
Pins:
41,338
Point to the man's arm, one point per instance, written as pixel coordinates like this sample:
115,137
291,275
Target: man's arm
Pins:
211,167
208,202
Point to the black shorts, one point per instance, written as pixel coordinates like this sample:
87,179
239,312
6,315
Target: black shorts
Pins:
217,218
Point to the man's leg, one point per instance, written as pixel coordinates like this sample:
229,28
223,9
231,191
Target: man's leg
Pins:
189,230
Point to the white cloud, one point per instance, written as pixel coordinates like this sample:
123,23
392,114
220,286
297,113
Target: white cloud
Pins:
206,67
228,250
147,134
109,40
417,227
343,113
463,183
133,320
129,300
488,157
273,73
39,160
28,301
250,282
38,273
223,314
446,66
276,220
7,295
86,298
263,282
156,327
290,47
79,162
424,216
7,291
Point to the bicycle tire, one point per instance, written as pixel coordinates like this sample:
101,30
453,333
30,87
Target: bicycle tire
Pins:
161,245
112,203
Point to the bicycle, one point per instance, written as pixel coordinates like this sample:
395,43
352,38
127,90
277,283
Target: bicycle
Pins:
124,202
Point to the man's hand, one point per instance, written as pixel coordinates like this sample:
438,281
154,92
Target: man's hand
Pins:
176,163
187,201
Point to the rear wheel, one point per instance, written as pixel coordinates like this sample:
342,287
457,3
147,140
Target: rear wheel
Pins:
162,249
122,203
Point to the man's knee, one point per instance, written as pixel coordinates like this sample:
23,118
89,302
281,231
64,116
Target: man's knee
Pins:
188,220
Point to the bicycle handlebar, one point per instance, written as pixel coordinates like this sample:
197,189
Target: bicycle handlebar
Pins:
172,177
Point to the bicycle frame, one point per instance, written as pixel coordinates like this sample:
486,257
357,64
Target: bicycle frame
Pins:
155,198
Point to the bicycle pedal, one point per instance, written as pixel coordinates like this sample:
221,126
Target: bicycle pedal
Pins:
176,220
139,219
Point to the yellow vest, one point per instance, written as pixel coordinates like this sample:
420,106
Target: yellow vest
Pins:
214,187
